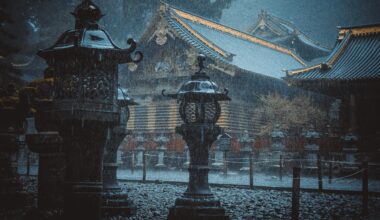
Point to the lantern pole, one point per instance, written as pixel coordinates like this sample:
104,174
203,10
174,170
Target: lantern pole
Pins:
200,110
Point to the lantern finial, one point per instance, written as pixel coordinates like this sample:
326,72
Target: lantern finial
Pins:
201,59
200,75
87,14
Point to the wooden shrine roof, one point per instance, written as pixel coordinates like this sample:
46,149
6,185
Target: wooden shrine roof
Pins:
356,57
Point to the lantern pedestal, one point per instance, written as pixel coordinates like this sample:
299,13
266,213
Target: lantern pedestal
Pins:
187,157
51,168
84,142
140,154
311,151
160,160
350,150
115,201
245,153
198,201
218,159
12,194
246,150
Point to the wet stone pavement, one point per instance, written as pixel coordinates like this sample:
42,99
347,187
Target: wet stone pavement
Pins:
153,201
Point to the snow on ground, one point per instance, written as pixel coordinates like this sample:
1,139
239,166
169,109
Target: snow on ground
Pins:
260,179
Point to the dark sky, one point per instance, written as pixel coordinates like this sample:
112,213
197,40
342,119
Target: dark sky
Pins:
317,18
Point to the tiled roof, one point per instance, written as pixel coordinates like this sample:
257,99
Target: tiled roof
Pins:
198,42
231,46
356,57
286,34
276,25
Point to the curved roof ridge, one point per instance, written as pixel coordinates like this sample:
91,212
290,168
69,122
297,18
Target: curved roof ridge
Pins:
203,39
359,26
361,29
280,20
238,34
265,16
339,50
181,30
330,60
317,43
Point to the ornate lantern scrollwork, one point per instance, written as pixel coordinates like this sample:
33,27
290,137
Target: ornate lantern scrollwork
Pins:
199,98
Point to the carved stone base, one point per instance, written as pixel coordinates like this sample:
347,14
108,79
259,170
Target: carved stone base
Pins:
12,194
51,169
117,203
197,209
198,202
83,200
15,200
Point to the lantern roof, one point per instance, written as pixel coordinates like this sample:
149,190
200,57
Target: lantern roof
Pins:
140,138
277,132
224,136
350,137
312,134
246,138
161,139
88,37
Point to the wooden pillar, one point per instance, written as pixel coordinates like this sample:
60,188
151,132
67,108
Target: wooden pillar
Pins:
144,167
319,166
330,172
365,188
352,114
225,168
280,167
250,171
296,193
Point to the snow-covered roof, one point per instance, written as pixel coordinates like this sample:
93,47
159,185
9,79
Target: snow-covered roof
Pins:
231,46
355,57
247,55
279,31
86,38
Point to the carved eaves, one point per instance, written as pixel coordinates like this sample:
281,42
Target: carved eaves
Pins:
161,33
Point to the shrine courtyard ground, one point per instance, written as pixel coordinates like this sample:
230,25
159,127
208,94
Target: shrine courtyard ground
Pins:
153,199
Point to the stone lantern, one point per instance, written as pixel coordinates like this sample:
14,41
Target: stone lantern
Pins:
161,140
246,149
223,145
311,147
13,110
200,110
140,139
115,202
278,145
187,157
84,108
350,150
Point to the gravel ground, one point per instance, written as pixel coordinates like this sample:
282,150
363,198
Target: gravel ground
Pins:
153,200
251,204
